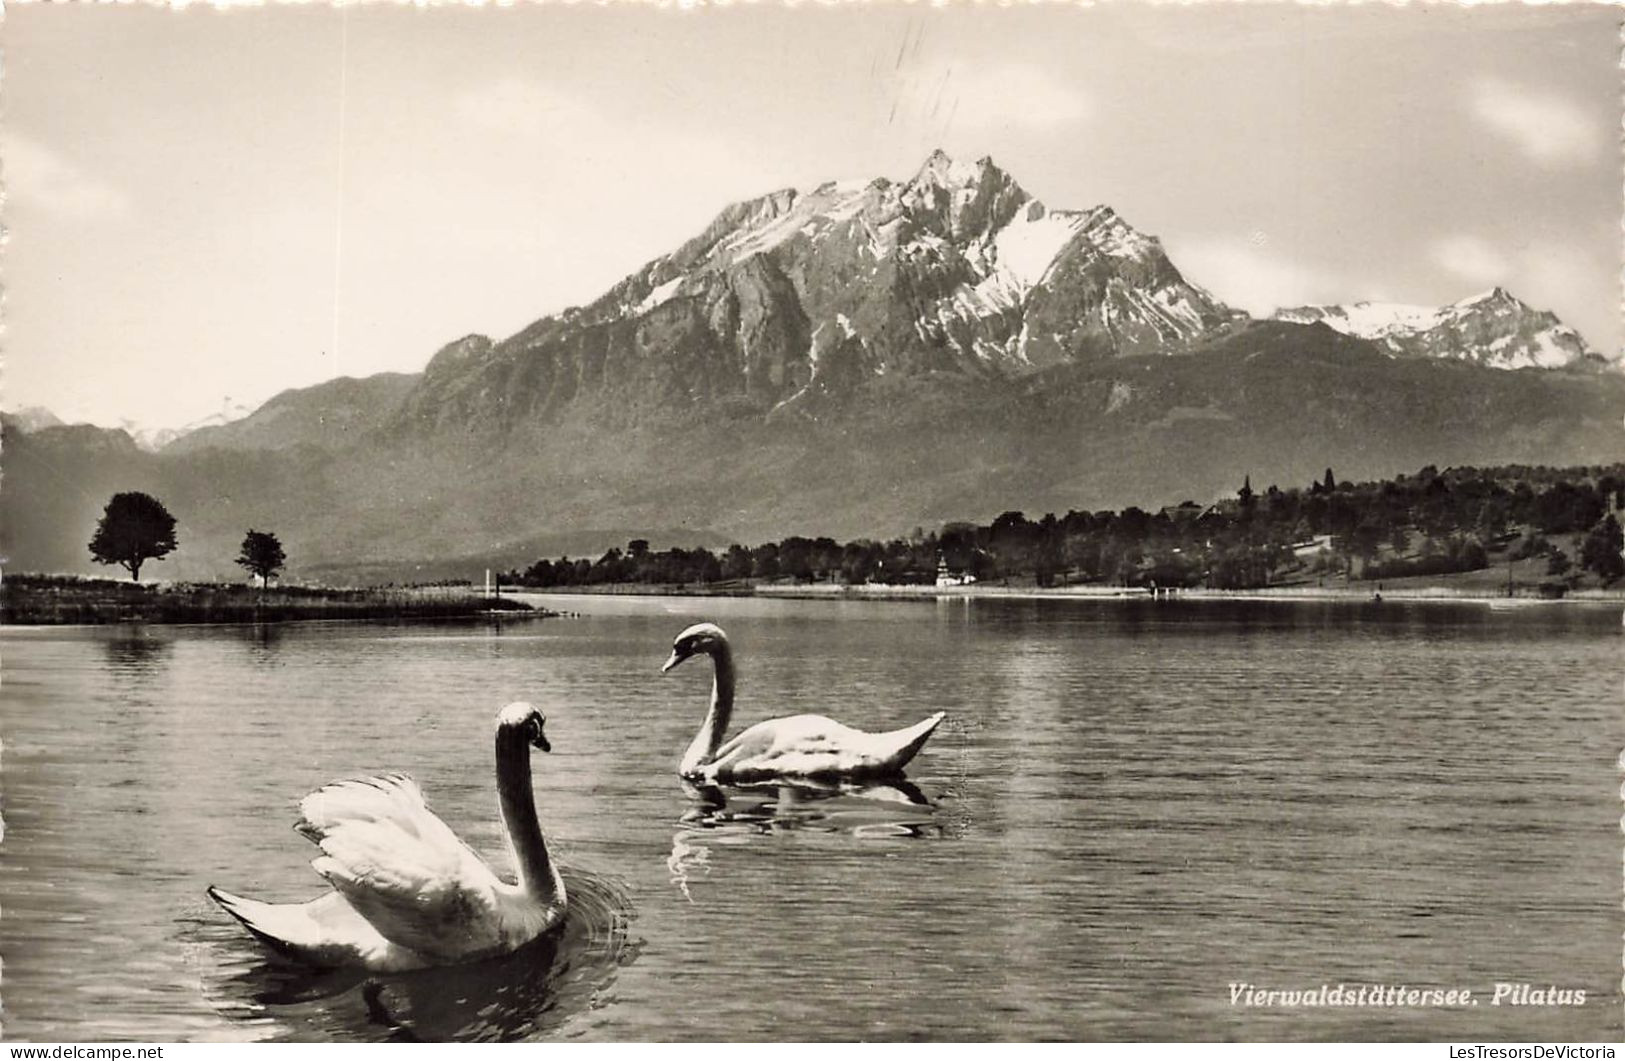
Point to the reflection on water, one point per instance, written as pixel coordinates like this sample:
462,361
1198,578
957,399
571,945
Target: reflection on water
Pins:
137,654
735,814
1130,806
263,641
519,997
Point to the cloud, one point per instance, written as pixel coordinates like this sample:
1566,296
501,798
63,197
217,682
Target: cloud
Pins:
1017,95
35,174
1552,274
1242,272
1471,258
1551,130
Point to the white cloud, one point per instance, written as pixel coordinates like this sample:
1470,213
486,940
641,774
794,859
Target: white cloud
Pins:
1548,128
1471,258
1242,272
1547,274
35,174
1017,95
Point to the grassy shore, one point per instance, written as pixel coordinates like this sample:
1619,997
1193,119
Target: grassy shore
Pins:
59,600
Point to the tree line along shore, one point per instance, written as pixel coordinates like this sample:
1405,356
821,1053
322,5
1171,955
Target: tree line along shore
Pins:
1515,531
1506,531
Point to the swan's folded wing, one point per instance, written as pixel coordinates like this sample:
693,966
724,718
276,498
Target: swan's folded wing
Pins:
770,745
778,736
402,868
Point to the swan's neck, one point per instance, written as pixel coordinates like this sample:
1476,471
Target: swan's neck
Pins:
709,738
537,875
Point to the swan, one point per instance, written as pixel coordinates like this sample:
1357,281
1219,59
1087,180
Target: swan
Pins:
795,746
407,893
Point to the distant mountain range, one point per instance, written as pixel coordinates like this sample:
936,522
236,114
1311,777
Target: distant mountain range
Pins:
853,360
1493,329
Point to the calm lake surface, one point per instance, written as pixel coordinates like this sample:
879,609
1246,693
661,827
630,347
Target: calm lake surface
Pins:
1131,807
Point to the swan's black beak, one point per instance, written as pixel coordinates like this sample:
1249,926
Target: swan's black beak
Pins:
541,742
676,658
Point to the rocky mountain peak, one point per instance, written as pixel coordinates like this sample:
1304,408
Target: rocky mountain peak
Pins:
802,293
962,199
1494,297
941,170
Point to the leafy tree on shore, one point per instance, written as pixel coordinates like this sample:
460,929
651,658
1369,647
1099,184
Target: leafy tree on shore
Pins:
262,555
1399,538
134,528
1600,552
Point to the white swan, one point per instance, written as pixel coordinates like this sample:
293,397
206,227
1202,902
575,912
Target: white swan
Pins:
407,894
796,746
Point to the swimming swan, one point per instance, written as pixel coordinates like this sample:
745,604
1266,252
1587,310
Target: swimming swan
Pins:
407,894
797,746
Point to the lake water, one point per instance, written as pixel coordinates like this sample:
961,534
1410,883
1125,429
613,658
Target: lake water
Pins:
1131,807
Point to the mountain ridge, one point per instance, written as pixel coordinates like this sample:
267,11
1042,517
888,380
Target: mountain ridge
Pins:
1494,329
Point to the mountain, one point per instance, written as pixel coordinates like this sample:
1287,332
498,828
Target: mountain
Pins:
328,416
154,439
854,360
957,270
1275,400
34,418
59,477
1493,329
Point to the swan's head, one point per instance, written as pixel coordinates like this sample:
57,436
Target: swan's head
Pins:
701,637
527,721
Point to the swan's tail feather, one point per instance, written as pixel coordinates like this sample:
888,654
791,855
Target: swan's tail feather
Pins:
259,918
912,739
326,931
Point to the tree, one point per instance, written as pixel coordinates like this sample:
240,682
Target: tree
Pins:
1399,538
1364,541
737,564
262,555
134,528
1601,550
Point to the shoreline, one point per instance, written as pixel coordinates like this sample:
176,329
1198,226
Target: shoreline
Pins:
1399,594
39,602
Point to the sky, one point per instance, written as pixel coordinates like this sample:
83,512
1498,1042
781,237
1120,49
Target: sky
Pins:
205,207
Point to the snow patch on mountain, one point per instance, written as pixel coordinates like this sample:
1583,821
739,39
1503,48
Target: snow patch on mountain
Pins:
808,214
1368,320
1027,246
659,296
